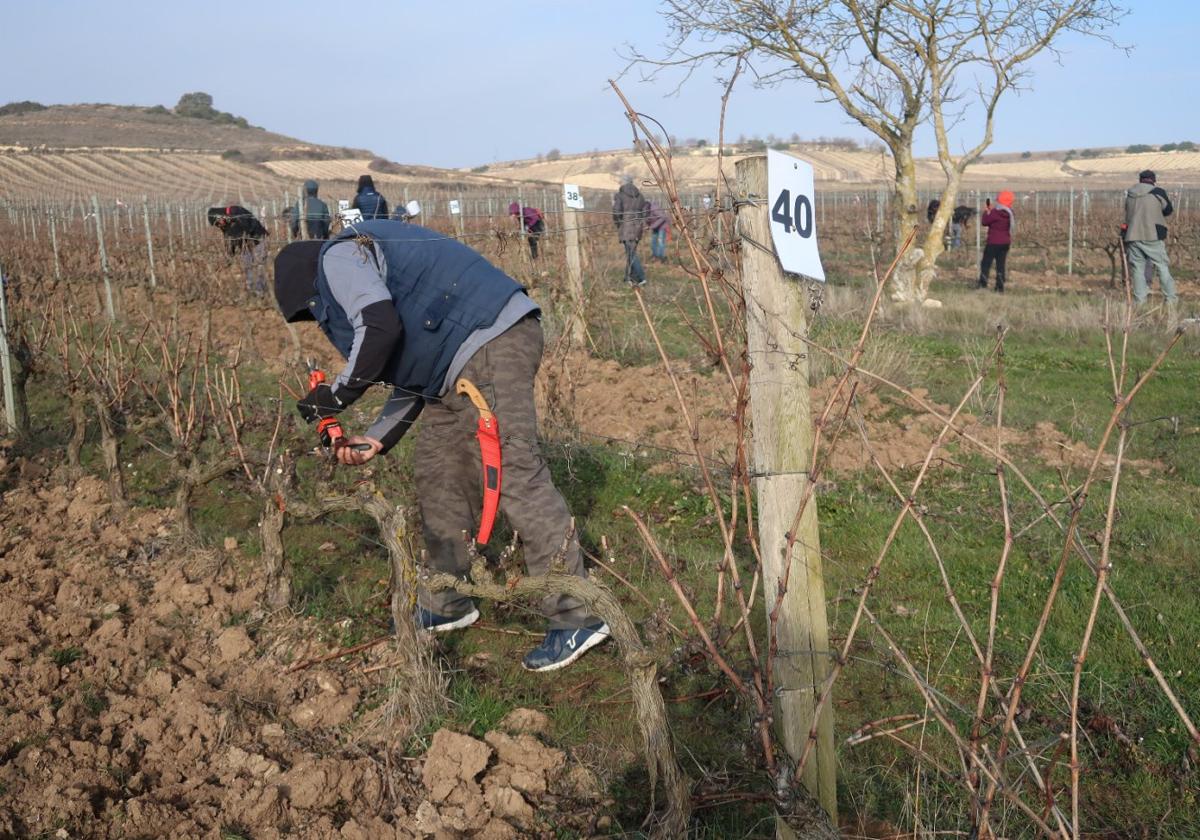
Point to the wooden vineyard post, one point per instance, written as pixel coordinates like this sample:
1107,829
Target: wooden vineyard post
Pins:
577,328
10,405
54,248
170,236
978,230
110,310
1071,236
149,242
781,417
302,209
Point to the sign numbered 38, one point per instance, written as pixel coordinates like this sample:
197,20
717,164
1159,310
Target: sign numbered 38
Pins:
572,197
791,199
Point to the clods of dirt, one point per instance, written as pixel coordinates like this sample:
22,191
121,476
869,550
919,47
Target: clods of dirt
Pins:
146,694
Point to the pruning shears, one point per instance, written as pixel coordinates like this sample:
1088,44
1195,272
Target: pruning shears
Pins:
329,429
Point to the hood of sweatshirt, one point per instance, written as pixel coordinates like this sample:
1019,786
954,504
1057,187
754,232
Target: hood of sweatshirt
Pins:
629,190
310,187
1139,190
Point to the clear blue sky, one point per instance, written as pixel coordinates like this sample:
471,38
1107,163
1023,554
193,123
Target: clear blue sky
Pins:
472,81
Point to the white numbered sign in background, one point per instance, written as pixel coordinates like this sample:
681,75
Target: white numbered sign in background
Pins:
572,197
455,209
792,210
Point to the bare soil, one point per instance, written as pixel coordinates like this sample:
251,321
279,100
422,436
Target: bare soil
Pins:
636,408
146,694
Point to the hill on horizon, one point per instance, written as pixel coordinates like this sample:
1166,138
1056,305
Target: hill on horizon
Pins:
156,128
837,167
62,152
123,151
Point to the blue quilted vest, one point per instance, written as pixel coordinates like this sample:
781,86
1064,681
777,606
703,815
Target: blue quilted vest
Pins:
443,291
372,206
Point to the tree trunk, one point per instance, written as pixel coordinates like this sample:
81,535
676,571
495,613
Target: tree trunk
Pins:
907,287
112,455
279,574
183,501
23,358
192,473
934,244
420,694
78,413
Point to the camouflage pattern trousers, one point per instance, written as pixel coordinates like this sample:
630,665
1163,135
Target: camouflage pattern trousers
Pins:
449,470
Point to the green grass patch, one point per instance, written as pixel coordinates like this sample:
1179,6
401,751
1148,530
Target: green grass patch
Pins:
65,656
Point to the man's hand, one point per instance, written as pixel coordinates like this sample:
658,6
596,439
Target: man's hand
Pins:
349,453
318,404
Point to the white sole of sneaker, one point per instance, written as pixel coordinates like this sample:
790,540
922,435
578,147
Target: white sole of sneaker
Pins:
459,623
598,638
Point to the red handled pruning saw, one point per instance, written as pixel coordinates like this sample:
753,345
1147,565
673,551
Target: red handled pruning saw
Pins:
489,449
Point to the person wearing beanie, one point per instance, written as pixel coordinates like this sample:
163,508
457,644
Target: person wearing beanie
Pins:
533,224
412,309
1145,230
316,214
371,204
1001,224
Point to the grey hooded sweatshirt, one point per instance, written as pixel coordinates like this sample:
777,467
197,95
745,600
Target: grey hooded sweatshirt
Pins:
316,212
1146,209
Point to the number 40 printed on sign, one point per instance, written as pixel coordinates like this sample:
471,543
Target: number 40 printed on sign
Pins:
792,213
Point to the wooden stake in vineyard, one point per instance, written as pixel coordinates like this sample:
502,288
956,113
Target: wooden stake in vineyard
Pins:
54,247
109,308
794,586
149,241
10,413
577,328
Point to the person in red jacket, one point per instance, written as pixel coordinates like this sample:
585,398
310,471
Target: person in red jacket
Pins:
1000,223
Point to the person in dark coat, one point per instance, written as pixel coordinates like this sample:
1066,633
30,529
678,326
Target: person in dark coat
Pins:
630,211
368,201
411,308
1001,223
958,222
246,237
532,222
316,214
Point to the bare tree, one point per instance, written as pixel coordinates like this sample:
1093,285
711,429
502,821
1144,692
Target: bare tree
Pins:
893,67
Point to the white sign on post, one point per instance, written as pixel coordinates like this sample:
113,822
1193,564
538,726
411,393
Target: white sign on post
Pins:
572,197
455,209
790,197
